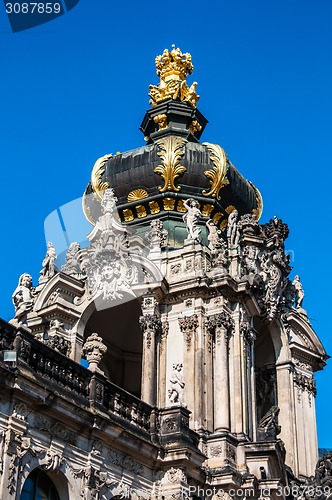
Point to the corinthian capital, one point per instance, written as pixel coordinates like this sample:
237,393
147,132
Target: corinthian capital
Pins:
150,322
220,320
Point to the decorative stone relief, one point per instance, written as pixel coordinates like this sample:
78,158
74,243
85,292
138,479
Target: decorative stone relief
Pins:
191,218
216,451
107,263
157,235
250,255
174,475
248,225
20,411
125,462
175,392
51,461
94,349
49,268
188,326
22,299
55,429
58,343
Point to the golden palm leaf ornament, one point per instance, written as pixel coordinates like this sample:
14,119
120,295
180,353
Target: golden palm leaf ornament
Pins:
217,175
99,186
170,151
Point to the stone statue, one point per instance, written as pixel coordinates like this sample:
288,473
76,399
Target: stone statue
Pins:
157,235
49,268
22,298
250,254
72,265
233,232
299,292
268,427
215,242
191,218
175,393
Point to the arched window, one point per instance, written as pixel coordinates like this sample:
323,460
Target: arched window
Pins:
38,486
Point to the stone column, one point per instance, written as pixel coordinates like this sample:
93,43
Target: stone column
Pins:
222,326
151,327
188,326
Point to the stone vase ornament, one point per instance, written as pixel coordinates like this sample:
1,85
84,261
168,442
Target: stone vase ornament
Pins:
94,349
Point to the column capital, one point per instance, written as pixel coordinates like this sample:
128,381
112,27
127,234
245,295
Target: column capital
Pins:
221,320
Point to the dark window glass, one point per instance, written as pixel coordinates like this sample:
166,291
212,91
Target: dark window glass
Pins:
38,486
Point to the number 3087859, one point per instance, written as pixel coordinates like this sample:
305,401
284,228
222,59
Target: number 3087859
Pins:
33,8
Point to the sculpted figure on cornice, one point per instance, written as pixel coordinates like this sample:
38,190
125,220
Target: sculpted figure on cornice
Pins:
299,292
72,265
22,298
49,268
190,218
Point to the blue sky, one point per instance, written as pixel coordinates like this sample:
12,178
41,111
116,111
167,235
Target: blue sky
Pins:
76,88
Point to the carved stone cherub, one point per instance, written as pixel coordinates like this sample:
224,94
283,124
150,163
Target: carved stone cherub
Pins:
175,393
22,298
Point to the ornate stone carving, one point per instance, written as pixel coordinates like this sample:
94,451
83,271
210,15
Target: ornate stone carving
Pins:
58,343
274,268
188,326
125,462
275,231
305,383
22,298
55,429
49,268
323,473
216,451
175,392
248,224
190,218
94,349
150,325
250,259
175,475
220,321
157,235
108,265
51,461
268,427
72,265
171,150
217,175
20,411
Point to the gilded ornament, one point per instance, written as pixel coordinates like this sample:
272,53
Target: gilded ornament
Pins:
161,121
217,174
154,207
128,215
223,224
230,209
207,209
172,68
169,203
171,151
137,194
141,211
216,217
180,206
257,212
98,185
195,126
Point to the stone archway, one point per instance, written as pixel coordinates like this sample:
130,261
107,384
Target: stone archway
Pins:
39,484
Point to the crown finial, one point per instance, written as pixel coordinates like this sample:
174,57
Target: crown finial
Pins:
172,67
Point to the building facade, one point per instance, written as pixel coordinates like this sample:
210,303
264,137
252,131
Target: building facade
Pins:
201,358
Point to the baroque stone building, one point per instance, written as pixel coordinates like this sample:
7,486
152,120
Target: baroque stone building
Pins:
201,358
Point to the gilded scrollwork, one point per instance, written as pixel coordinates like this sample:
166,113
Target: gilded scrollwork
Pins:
216,175
257,212
171,150
98,185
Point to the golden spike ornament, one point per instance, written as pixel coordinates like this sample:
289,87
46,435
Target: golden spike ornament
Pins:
257,212
99,186
217,175
170,151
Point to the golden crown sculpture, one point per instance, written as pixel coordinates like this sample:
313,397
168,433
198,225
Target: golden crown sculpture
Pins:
172,68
